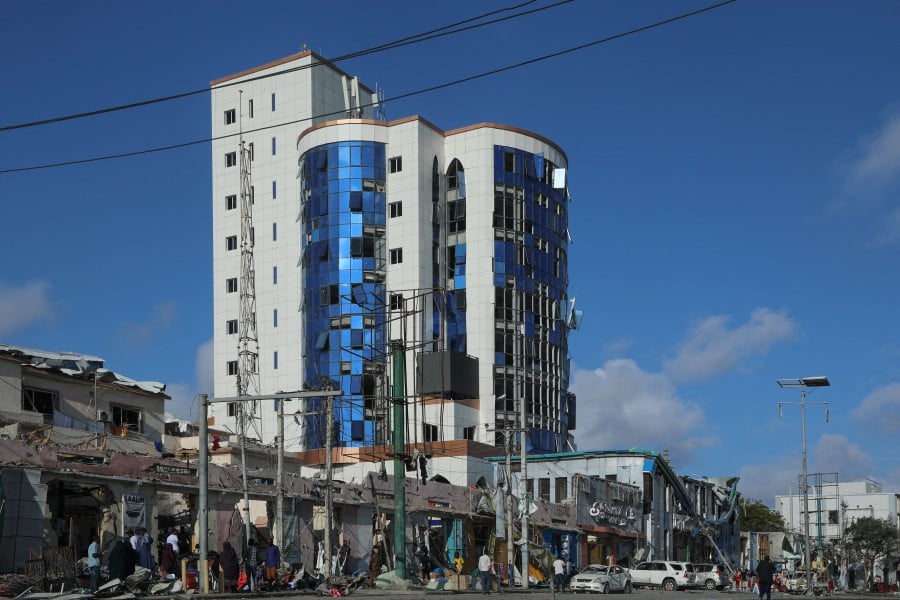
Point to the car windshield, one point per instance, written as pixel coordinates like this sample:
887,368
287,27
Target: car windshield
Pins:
595,569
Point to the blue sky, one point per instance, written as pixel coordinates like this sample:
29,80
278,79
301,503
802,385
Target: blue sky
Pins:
734,180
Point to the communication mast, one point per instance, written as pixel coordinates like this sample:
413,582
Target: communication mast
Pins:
248,340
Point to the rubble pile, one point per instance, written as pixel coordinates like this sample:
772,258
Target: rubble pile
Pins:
13,584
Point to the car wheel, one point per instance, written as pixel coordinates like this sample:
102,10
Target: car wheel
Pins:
710,584
669,585
628,589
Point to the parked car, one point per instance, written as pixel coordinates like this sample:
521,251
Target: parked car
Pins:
602,579
668,575
711,576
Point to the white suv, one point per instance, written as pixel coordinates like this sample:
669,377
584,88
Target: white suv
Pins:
711,576
668,575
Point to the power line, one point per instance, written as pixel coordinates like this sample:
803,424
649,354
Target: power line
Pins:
413,39
395,98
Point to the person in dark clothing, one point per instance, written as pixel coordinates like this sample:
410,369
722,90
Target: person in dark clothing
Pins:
765,573
228,562
122,559
168,562
251,561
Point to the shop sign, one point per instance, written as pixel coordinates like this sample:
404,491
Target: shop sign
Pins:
134,512
618,514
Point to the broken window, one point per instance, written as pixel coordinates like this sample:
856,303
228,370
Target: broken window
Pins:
128,417
39,401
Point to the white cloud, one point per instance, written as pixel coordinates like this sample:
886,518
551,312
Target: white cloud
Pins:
138,334
622,406
712,348
834,453
183,404
781,474
877,164
881,408
24,305
763,482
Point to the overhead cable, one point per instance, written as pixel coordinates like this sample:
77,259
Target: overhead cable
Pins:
413,39
394,98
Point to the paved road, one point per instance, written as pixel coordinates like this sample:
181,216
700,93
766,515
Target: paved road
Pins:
546,594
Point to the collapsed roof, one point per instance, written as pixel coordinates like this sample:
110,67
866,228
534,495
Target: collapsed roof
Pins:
81,366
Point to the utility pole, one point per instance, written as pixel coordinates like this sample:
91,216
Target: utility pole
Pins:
279,483
508,436
523,489
202,499
399,399
329,490
242,429
510,548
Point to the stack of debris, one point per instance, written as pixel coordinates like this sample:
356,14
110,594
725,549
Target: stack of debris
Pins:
13,584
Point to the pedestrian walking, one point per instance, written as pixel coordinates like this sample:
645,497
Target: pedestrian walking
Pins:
272,561
251,562
228,563
559,574
765,573
485,566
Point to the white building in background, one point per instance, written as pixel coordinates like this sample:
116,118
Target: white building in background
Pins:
834,506
368,232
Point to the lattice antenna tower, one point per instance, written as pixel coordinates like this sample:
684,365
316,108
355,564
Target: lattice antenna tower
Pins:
248,340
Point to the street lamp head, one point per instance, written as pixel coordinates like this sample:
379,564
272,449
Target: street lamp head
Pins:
804,382
820,381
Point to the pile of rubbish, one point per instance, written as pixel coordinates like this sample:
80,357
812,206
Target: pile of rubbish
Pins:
141,583
13,584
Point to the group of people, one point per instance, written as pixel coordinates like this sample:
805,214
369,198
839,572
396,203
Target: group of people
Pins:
135,549
260,566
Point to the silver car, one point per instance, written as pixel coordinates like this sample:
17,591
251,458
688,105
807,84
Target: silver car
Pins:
602,579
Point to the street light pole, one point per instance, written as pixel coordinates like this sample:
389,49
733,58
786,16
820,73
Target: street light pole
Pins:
803,384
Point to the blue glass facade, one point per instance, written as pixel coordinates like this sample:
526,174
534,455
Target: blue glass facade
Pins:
531,300
342,196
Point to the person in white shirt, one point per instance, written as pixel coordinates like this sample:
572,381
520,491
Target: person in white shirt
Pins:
559,574
485,566
173,539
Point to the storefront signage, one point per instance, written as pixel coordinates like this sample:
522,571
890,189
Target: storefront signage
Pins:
612,513
133,512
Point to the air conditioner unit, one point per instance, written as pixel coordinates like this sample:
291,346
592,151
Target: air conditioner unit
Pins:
102,416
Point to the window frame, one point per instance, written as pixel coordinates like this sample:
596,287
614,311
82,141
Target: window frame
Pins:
229,288
231,243
230,116
230,159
